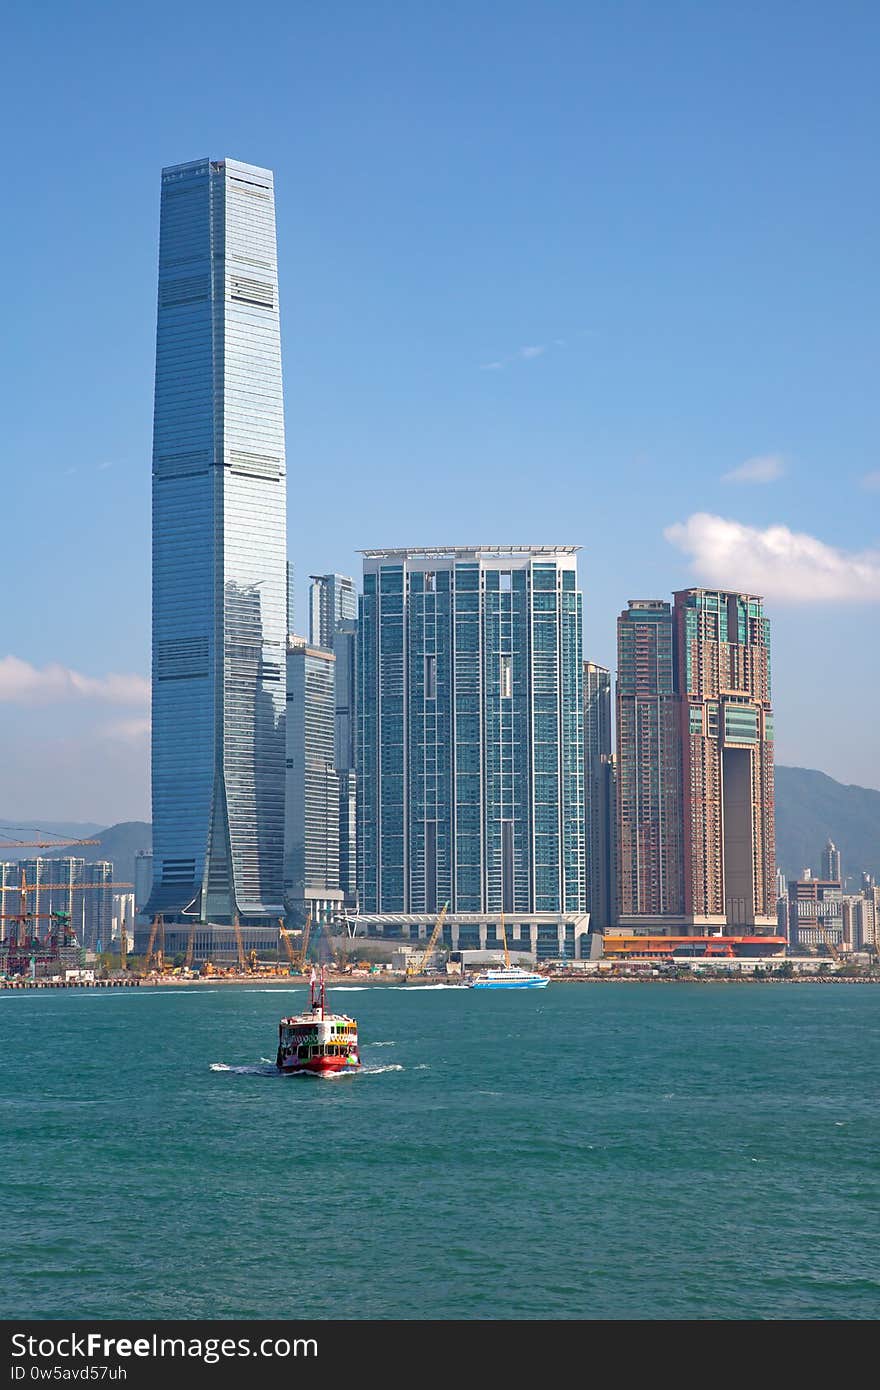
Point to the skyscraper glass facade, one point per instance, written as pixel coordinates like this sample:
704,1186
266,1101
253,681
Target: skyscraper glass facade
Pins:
332,600
600,832
470,731
219,579
311,850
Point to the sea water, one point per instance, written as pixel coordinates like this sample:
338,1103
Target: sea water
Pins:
610,1150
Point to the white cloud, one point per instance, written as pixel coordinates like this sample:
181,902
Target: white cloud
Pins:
765,468
871,481
102,466
523,354
776,562
21,683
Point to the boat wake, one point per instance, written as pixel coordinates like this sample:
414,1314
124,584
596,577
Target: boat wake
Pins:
422,989
266,1069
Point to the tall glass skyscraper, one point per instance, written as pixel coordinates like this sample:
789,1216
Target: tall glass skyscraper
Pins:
332,600
219,578
470,716
600,797
311,849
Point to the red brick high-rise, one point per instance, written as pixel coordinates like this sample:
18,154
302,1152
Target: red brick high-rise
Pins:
695,757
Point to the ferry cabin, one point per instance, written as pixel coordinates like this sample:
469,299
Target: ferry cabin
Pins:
305,1040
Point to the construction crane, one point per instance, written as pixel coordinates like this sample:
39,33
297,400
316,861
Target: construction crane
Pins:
285,937
304,944
504,943
825,937
24,915
71,887
417,967
190,947
58,842
157,929
239,943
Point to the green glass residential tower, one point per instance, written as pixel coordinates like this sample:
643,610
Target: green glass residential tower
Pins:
470,731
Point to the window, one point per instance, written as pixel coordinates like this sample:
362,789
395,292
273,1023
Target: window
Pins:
506,678
430,677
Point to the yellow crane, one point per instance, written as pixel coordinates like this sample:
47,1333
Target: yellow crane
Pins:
504,943
825,937
157,929
417,967
296,959
190,947
304,944
284,934
239,943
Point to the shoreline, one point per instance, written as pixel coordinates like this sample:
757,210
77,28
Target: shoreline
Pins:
370,982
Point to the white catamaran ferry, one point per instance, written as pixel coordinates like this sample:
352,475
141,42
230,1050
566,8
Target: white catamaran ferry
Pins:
508,976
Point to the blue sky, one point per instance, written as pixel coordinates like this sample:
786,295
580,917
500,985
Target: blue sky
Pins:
550,272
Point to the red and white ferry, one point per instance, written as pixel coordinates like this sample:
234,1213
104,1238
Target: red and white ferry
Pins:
317,1042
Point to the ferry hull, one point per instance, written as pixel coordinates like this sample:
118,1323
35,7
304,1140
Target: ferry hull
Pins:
510,984
318,1066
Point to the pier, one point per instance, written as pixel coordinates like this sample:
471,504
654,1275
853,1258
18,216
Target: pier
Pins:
71,984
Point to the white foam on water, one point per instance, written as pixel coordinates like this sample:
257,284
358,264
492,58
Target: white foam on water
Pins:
382,1044
264,1070
422,989
377,1071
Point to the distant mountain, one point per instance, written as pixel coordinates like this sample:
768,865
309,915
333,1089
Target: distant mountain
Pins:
33,830
812,808
119,843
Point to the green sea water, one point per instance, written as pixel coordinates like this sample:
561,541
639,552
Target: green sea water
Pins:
593,1151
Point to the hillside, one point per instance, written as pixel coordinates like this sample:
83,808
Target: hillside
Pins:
38,829
119,843
812,808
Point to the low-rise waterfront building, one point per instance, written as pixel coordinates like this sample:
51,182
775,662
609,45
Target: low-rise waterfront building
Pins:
538,935
815,914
